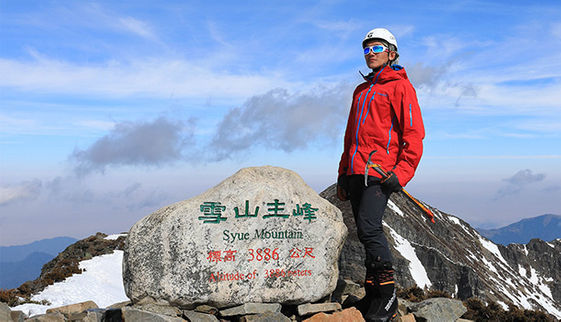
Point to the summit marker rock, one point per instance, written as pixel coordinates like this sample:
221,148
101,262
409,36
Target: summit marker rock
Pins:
261,235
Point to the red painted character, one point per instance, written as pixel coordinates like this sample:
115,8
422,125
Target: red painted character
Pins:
214,256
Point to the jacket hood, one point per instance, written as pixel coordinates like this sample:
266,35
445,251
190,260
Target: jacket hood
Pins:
386,74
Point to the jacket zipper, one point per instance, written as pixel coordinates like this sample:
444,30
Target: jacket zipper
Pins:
410,115
358,125
389,139
361,111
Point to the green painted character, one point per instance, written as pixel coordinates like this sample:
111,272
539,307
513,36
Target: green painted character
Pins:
276,207
307,211
212,213
246,213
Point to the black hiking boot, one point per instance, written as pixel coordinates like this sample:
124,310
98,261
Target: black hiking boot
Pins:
371,294
383,307
370,288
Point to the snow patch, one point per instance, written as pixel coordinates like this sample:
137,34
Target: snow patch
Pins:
115,236
100,282
459,223
503,305
545,302
490,246
509,281
521,270
489,265
471,255
528,295
455,220
533,276
535,279
395,208
437,213
404,247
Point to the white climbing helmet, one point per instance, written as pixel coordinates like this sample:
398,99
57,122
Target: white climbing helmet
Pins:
381,33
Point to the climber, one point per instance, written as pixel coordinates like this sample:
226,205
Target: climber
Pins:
384,116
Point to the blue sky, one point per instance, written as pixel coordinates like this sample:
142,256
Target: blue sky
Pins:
110,110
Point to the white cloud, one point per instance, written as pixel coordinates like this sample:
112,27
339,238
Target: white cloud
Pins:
525,177
441,47
531,100
541,127
217,35
518,182
145,143
28,190
137,27
283,121
146,77
344,27
556,30
96,124
401,31
16,124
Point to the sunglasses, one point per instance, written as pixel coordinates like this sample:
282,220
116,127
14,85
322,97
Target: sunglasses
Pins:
375,49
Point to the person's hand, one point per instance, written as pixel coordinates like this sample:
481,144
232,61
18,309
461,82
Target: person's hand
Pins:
342,194
342,187
391,183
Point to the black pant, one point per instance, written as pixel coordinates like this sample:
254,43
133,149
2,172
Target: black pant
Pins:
368,205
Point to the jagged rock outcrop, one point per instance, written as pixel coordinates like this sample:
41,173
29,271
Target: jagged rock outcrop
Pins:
453,257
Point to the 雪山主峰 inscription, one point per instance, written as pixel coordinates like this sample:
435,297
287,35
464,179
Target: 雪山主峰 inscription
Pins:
261,235
213,212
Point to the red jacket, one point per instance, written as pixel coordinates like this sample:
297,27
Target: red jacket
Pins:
385,116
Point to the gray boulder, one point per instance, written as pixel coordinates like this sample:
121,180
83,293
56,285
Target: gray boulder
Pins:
194,316
74,308
49,317
438,310
261,235
251,308
309,308
17,316
266,317
5,312
134,314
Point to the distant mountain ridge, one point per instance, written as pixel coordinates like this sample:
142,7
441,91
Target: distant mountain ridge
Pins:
13,274
51,246
22,263
546,227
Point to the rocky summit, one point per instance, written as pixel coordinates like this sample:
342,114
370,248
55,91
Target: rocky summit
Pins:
452,257
261,235
447,258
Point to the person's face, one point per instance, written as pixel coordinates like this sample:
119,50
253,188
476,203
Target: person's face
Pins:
376,60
